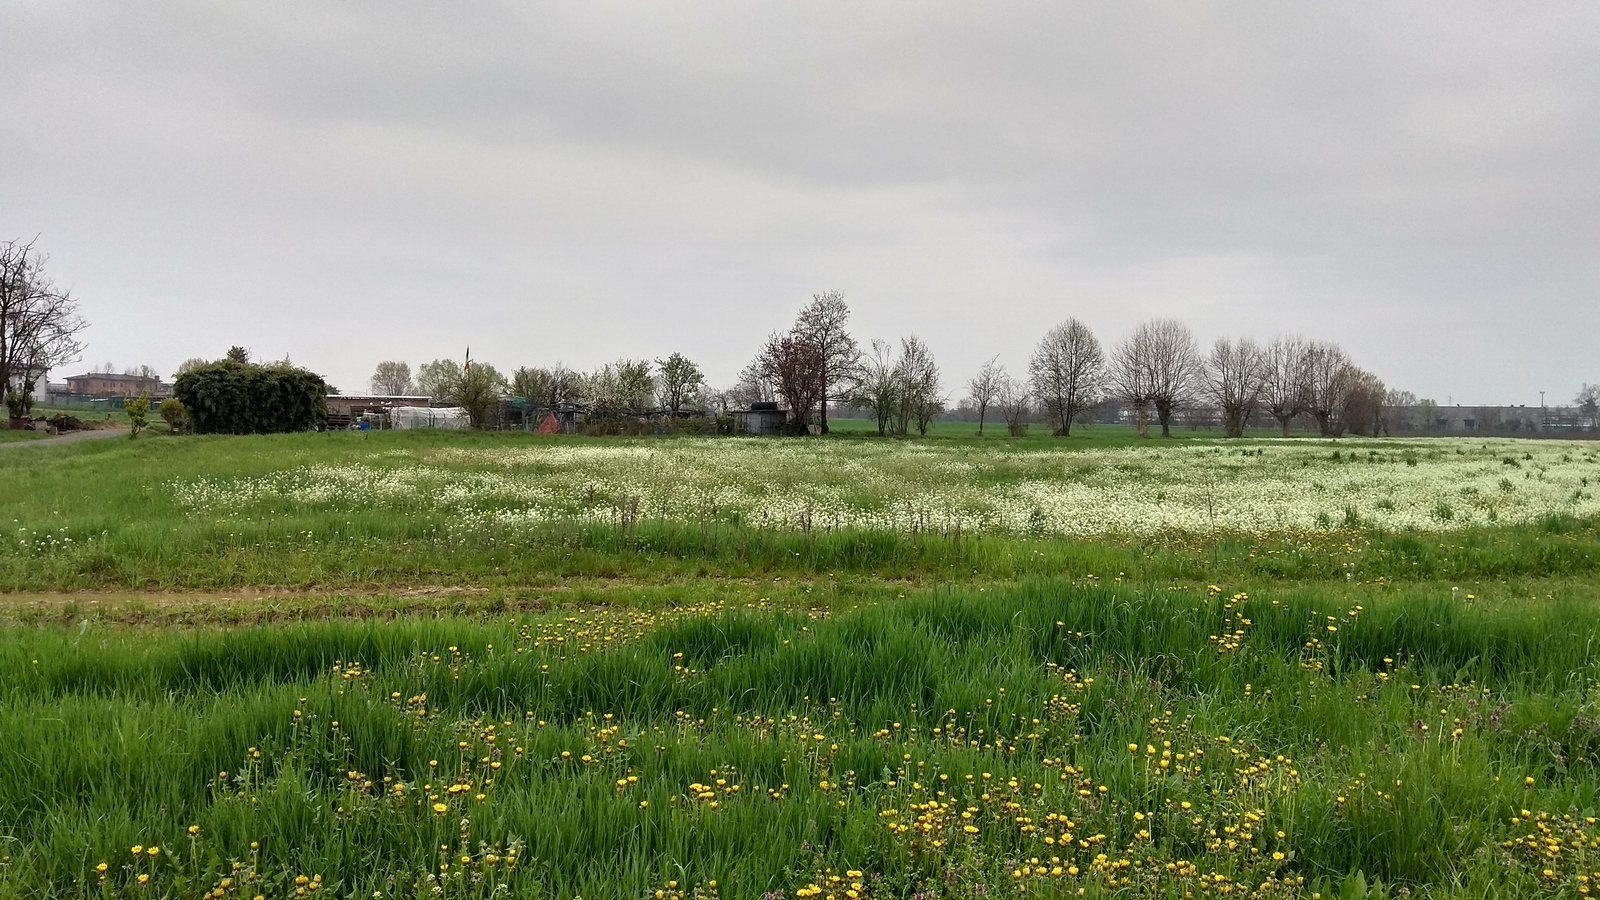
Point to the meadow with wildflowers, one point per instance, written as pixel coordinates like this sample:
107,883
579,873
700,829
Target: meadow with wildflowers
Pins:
434,666
409,508
905,486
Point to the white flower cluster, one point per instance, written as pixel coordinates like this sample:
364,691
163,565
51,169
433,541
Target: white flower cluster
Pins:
1194,486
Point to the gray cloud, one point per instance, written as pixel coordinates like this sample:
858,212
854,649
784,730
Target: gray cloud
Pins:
346,183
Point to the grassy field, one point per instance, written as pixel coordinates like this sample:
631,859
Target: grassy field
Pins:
433,665
403,509
8,436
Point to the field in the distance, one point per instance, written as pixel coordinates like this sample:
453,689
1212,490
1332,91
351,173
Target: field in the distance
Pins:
408,508
436,665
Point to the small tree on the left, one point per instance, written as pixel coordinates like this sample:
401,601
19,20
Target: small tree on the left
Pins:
39,326
176,414
138,410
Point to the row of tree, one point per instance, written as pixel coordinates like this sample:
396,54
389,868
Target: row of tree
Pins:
629,387
1156,371
1160,368
817,362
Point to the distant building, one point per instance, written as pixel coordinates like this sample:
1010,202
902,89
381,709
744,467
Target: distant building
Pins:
762,419
39,378
108,384
1481,419
346,408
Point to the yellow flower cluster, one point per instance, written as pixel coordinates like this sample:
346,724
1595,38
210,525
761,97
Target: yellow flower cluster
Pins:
1562,849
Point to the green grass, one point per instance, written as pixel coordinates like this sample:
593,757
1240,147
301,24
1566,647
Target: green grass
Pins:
128,531
114,738
994,429
9,436
708,709
88,413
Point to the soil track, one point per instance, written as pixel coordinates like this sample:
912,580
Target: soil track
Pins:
71,437
247,606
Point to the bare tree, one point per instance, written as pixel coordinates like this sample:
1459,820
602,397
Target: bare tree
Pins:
1235,374
545,388
438,379
1130,377
1016,406
392,377
39,323
879,387
1588,403
1361,396
795,368
681,383
1068,369
984,386
562,386
1158,365
531,385
752,387
1174,368
1325,384
919,393
822,323
1286,371
478,390
1399,408
1427,413
190,364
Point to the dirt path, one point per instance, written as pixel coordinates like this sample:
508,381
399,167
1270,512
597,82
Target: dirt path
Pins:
71,437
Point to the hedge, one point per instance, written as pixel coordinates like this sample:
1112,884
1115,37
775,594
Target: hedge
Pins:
230,397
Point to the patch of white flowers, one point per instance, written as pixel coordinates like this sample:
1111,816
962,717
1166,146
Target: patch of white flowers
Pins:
1256,486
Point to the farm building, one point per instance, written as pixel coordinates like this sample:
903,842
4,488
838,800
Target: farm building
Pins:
343,409
407,417
762,419
108,384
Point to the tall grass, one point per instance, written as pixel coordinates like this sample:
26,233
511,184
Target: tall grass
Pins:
1399,745
377,548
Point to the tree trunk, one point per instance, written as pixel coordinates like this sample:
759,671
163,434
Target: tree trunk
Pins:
1164,414
1142,416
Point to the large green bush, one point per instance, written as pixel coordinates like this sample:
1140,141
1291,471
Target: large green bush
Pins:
230,397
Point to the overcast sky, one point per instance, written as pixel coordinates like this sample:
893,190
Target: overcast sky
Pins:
349,182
